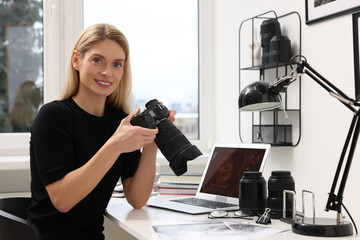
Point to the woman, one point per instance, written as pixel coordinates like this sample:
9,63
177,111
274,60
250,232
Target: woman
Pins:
81,144
27,102
223,179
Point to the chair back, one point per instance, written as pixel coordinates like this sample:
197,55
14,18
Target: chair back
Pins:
13,220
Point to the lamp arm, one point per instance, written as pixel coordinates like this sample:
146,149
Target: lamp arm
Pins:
335,201
341,99
304,67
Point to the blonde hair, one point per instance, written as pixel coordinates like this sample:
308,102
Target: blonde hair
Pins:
120,98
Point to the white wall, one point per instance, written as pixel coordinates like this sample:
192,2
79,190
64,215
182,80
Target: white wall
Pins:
327,46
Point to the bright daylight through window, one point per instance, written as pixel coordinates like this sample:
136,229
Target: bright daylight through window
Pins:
163,38
21,64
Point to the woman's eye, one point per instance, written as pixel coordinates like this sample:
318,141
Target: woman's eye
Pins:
118,65
96,60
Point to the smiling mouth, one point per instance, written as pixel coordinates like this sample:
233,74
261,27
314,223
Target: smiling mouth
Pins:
103,83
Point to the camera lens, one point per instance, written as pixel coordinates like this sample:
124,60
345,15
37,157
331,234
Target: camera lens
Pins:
253,194
172,143
268,29
277,183
280,49
175,146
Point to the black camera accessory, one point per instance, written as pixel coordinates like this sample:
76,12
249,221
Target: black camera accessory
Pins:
280,49
252,192
176,148
268,29
277,183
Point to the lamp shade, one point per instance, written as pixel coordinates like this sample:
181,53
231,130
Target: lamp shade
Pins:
257,97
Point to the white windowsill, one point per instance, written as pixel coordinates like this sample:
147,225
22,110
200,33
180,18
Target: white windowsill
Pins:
14,162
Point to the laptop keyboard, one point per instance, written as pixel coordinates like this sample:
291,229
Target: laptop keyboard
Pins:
204,203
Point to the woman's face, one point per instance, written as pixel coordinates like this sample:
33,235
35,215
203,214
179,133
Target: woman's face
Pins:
100,69
223,173
226,168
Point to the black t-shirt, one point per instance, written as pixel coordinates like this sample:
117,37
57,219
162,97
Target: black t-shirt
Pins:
63,138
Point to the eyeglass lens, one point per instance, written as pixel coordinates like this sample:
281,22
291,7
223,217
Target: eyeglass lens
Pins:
218,214
243,213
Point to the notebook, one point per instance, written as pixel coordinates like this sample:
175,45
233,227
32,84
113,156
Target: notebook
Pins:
219,186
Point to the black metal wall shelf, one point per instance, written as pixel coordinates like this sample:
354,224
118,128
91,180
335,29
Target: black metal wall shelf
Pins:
265,66
270,126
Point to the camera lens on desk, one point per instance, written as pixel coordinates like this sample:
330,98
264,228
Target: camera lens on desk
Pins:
253,194
277,183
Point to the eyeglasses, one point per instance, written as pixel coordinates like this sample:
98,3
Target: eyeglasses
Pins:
224,214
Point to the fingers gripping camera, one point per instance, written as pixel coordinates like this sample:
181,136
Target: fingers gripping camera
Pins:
176,148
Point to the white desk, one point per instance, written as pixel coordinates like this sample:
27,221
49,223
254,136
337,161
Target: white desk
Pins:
139,222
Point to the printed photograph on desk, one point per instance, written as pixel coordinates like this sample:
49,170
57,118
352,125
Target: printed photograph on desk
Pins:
213,230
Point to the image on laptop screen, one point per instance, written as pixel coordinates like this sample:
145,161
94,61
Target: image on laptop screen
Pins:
226,168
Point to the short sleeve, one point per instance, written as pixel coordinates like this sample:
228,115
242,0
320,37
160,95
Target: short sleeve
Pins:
130,163
52,142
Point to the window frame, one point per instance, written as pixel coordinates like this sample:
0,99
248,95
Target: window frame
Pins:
62,23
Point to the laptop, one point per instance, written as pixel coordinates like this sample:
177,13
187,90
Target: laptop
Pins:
219,186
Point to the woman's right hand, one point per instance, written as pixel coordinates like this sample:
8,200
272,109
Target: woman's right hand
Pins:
129,138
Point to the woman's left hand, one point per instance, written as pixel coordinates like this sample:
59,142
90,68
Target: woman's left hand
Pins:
171,116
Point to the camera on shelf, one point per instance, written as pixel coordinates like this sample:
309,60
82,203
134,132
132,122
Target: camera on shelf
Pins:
176,148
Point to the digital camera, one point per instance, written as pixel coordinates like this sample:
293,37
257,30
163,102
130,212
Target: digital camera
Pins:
172,143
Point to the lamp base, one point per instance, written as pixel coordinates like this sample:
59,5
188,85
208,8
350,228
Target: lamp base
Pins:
322,227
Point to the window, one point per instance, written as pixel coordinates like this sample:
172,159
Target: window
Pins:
21,66
21,72
52,36
163,38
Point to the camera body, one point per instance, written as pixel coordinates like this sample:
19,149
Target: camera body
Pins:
151,116
172,143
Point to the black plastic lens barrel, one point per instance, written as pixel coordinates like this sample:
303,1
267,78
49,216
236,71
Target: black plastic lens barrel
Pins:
277,183
253,194
176,148
268,29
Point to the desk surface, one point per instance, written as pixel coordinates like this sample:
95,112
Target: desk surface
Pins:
139,222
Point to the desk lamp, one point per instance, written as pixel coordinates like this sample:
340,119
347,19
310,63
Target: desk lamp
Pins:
260,96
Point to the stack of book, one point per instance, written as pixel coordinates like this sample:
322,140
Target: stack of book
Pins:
118,190
186,184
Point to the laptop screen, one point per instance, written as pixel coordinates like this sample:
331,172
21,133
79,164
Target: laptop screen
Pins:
227,166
